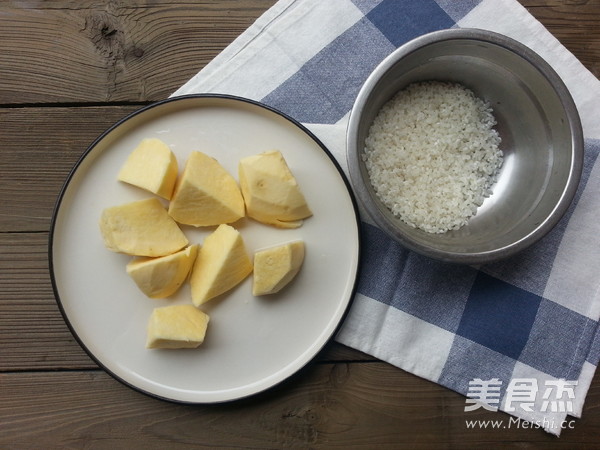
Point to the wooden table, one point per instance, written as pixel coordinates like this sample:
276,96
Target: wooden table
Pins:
68,70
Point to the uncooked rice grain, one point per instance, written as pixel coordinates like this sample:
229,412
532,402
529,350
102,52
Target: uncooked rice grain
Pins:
432,155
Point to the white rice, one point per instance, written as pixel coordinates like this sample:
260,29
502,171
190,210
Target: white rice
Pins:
432,155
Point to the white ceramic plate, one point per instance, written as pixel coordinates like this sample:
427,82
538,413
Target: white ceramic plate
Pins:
252,343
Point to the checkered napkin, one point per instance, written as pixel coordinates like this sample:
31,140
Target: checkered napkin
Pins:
519,335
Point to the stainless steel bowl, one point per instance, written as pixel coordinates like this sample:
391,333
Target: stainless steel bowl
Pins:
538,123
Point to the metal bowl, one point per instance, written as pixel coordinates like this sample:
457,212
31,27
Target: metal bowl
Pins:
538,123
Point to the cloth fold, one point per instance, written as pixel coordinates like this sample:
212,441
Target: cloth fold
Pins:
519,335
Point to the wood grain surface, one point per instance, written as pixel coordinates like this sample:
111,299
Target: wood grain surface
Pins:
68,71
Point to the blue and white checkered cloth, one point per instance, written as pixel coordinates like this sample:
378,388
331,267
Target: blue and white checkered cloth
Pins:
521,325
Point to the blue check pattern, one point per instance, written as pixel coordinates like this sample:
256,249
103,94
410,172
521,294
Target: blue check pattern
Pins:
326,86
497,320
498,312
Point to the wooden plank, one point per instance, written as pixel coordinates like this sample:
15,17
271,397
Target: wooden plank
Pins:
39,148
574,24
90,51
33,334
128,52
360,405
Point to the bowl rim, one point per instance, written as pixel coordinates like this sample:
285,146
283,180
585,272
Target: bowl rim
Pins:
547,71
